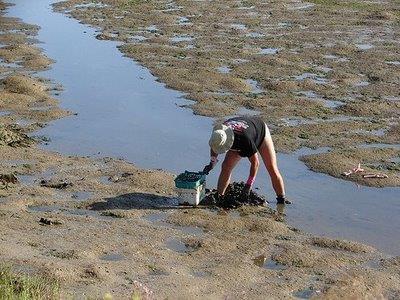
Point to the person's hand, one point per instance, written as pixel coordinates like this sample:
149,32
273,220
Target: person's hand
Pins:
282,200
208,168
246,191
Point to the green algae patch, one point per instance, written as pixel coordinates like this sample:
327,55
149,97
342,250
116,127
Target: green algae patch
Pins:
21,287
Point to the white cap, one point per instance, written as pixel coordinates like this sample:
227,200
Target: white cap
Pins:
221,139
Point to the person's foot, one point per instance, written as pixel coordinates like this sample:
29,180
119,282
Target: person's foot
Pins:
283,200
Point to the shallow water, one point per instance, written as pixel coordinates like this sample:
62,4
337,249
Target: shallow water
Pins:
307,293
177,245
124,112
4,113
269,51
81,195
181,38
224,69
326,102
263,262
313,77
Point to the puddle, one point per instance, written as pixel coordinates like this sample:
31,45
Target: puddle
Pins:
152,28
238,26
309,94
273,265
240,61
255,35
313,77
294,122
361,83
81,196
255,86
177,246
181,38
26,179
45,208
269,51
137,38
105,180
245,7
91,5
375,264
394,63
392,98
4,113
301,6
332,103
13,65
379,132
224,69
200,274
326,102
364,46
323,69
306,293
184,21
30,180
395,160
171,6
336,58
377,145
141,105
112,257
159,219
263,262
284,24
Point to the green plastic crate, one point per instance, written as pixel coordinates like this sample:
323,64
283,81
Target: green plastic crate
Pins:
190,180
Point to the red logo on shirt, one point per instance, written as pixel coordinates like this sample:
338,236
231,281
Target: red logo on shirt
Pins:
237,126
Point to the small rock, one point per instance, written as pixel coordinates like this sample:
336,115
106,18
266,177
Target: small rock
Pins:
45,221
58,185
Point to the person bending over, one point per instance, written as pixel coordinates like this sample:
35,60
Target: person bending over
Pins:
243,137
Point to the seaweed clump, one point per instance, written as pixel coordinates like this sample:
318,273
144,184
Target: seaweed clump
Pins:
234,197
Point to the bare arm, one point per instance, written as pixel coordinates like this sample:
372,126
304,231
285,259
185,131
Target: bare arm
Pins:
213,154
255,163
213,162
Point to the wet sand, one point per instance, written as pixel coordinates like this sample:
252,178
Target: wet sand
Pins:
116,229
132,88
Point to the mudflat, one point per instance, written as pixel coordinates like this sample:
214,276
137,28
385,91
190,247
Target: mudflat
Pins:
321,73
103,226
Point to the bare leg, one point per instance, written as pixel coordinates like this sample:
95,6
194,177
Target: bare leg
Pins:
230,161
267,152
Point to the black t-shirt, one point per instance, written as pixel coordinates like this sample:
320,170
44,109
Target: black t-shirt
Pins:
249,134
